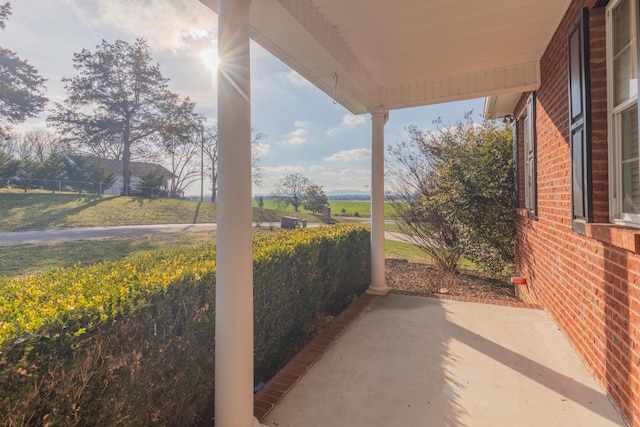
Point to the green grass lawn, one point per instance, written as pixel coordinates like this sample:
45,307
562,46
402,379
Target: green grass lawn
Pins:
403,250
18,260
351,207
46,210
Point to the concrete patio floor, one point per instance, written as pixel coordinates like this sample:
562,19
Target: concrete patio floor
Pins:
415,361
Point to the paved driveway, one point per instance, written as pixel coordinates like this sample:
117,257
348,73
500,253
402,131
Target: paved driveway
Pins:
48,236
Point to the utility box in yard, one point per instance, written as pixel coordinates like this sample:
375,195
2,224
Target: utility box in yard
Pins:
289,222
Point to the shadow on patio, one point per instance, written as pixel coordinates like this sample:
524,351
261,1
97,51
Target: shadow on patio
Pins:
416,361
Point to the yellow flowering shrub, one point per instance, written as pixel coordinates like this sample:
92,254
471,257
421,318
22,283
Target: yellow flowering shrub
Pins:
132,342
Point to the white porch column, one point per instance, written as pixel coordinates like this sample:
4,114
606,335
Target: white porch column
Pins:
234,287
378,286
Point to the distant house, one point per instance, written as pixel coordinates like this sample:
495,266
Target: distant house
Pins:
138,170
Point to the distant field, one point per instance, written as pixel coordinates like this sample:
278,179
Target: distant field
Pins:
362,208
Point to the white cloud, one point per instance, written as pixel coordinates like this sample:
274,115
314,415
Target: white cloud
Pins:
281,170
352,120
350,155
167,25
348,120
298,135
353,179
316,168
348,174
296,140
296,79
261,149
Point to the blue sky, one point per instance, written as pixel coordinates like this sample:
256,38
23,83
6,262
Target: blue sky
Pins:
306,132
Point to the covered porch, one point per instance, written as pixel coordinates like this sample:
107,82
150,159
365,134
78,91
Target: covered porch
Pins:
414,361
372,57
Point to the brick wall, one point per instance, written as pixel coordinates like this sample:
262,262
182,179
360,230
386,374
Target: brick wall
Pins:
590,284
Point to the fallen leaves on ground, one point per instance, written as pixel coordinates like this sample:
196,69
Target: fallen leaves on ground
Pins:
403,275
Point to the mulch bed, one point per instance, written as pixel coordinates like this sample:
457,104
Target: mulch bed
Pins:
403,275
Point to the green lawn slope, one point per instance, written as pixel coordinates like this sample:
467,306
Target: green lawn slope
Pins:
30,211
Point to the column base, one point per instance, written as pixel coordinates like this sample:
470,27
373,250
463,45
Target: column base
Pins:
378,291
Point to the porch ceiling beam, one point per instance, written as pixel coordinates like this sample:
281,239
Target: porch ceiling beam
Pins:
514,79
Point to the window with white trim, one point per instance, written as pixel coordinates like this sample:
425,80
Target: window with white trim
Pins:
622,90
529,145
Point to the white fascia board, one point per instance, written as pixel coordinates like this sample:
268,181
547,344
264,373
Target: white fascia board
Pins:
501,105
294,32
501,81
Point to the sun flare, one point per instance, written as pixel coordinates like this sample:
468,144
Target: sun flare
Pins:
209,58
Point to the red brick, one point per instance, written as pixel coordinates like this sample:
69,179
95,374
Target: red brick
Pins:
590,285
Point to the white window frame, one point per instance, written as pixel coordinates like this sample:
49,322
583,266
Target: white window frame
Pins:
528,119
616,213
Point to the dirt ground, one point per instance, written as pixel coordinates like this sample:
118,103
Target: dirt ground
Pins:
403,275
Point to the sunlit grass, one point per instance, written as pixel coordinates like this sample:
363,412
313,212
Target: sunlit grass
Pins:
403,250
412,253
351,207
38,211
19,260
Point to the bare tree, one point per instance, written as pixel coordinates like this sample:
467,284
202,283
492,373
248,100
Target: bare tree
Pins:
184,154
209,135
38,145
209,140
419,214
291,190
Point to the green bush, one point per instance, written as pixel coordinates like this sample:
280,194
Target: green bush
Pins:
132,342
297,275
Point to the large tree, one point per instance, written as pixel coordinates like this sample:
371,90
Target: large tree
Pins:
120,98
475,183
291,190
315,199
453,190
21,86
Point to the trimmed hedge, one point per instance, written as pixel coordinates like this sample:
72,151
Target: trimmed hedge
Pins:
132,342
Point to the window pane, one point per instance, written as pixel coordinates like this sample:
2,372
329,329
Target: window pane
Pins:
623,77
527,164
624,57
621,26
630,160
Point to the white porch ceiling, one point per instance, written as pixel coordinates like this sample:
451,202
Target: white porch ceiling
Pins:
405,53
